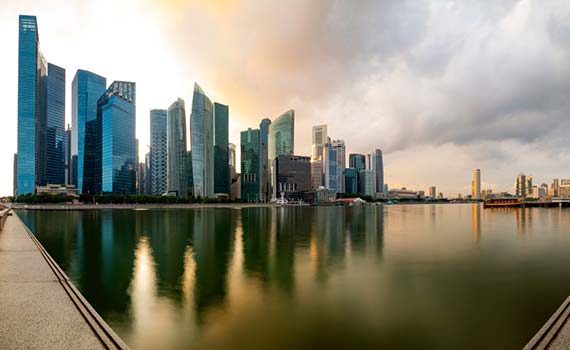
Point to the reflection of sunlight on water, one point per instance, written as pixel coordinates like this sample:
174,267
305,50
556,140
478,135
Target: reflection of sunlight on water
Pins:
189,278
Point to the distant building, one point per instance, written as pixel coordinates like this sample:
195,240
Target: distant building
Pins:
476,185
351,180
320,138
403,194
158,151
554,188
86,89
335,163
265,164
524,186
177,176
320,196
201,128
366,182
281,140
67,155
378,172
68,190
293,176
431,191
116,115
250,170
235,189
221,151
564,188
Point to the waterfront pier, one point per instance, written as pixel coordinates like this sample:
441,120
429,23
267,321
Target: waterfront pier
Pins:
40,308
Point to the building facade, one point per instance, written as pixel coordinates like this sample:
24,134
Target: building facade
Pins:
176,173
116,111
378,172
320,138
476,185
432,191
221,151
335,163
366,182
357,161
86,89
293,176
282,135
202,128
158,151
351,180
250,165
264,158
53,130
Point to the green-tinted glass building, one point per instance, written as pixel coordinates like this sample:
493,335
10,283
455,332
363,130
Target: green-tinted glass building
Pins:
250,165
351,180
177,176
201,129
221,151
282,136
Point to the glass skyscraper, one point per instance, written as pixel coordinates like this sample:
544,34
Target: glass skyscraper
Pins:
357,161
250,171
201,128
116,113
378,171
177,180
351,180
263,158
282,135
54,137
320,138
86,89
158,151
221,151
31,72
335,164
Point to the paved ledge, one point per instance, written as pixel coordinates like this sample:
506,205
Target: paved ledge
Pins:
39,306
555,334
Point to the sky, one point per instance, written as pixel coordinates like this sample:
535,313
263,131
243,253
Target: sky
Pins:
442,87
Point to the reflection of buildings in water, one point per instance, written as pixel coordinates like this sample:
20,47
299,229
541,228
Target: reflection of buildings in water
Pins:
524,220
212,241
328,244
476,222
256,224
365,227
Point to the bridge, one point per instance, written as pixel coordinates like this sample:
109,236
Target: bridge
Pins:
40,308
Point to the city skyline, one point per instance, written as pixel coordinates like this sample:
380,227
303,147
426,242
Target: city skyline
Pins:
499,150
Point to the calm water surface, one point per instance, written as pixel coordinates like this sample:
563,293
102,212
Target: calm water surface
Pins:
416,276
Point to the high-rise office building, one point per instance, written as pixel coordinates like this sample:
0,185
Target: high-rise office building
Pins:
235,189
264,158
250,170
357,161
53,130
15,175
366,182
378,172
320,138
116,114
476,185
201,128
158,151
177,180
86,89
293,176
335,163
351,180
432,191
32,70
148,174
555,188
521,187
221,151
67,156
282,135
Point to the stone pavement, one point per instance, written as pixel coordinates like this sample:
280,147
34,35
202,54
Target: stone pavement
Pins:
39,306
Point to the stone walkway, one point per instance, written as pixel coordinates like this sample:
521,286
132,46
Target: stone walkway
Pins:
555,334
39,307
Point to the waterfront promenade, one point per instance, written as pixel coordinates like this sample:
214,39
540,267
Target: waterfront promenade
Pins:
39,306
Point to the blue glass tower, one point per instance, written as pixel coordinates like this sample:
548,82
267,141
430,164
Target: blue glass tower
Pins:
351,180
116,115
378,171
221,150
158,151
201,128
86,88
31,72
54,142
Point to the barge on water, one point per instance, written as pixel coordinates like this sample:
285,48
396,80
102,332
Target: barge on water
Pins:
511,202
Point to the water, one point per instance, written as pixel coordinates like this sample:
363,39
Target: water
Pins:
416,276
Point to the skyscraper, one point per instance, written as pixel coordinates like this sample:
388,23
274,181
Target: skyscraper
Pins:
351,180
31,78
282,135
476,185
54,132
67,145
116,114
250,171
201,128
522,189
86,89
379,172
177,180
432,191
320,138
264,158
221,151
357,161
235,188
158,151
366,182
335,163
293,176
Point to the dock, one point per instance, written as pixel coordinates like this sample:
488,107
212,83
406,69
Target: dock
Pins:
555,334
40,308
